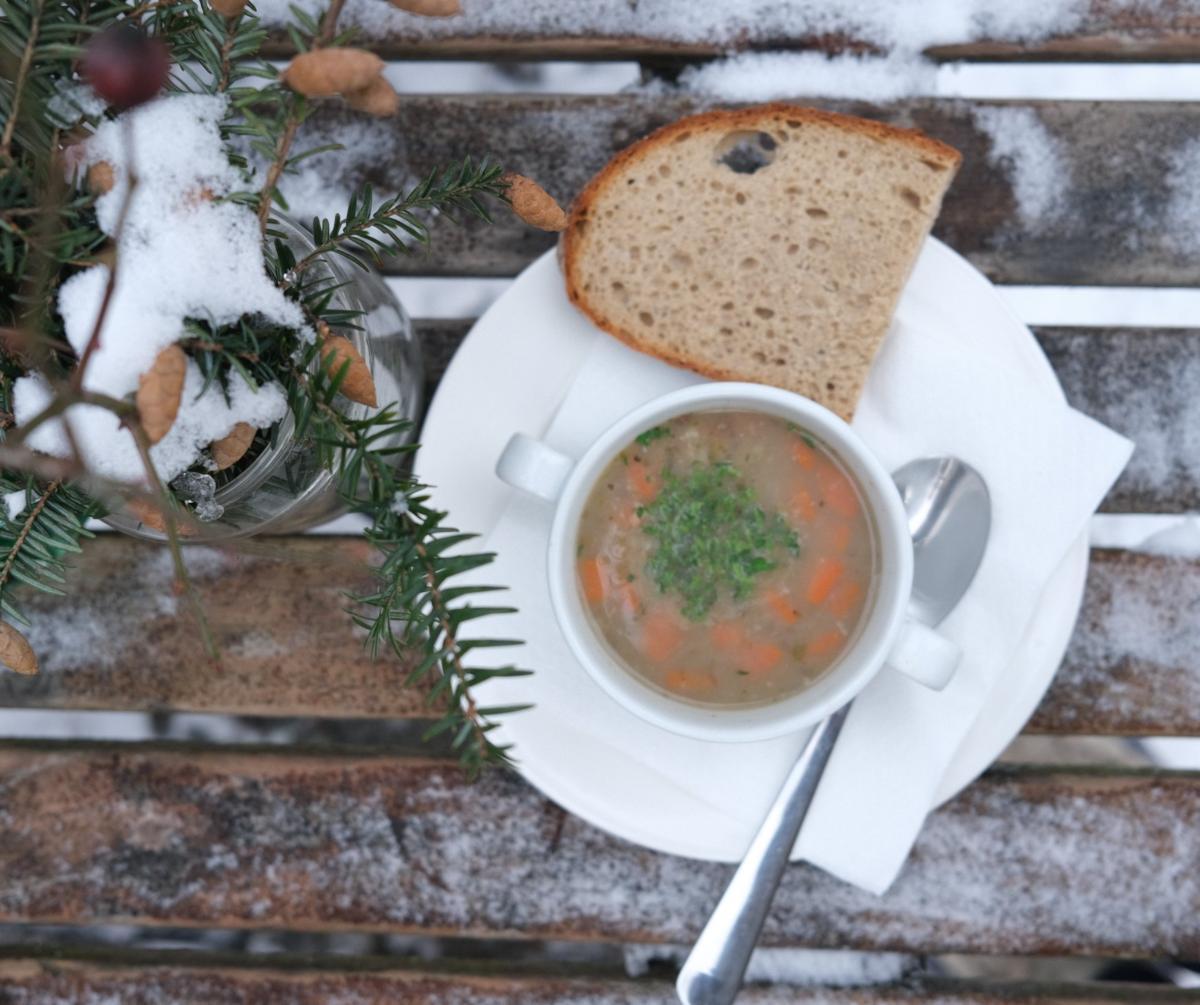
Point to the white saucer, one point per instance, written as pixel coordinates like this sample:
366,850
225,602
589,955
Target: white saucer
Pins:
510,375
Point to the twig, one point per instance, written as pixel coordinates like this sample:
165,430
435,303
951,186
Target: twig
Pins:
18,86
226,48
43,465
329,22
277,165
93,342
62,401
182,579
286,138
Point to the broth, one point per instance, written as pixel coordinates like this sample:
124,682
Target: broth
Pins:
726,557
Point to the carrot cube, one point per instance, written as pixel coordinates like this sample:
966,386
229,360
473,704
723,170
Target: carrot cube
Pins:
593,578
760,657
825,575
827,644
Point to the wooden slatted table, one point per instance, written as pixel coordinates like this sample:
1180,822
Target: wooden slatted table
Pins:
363,838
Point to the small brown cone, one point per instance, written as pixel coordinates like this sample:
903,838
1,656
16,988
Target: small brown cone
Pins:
532,203
151,515
15,651
359,385
377,98
101,178
228,8
159,392
230,448
429,8
323,72
148,514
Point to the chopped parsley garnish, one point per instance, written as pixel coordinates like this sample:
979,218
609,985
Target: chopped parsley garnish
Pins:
808,440
711,536
650,435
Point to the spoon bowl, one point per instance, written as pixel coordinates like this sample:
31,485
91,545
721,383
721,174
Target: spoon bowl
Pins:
949,516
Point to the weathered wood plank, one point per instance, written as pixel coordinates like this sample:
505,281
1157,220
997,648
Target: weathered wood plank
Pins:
1133,665
1098,194
616,29
1144,383
39,981
122,641
1025,861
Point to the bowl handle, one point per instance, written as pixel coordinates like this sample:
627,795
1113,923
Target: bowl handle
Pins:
533,467
922,654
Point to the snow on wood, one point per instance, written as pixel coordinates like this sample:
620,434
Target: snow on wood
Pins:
1133,665
1106,223
907,24
1144,383
1022,862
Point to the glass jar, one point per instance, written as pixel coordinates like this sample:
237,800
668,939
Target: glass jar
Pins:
285,489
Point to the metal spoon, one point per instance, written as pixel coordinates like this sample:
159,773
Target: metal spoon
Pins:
949,517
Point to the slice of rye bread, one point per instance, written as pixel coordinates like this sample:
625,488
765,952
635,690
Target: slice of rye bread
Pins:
766,244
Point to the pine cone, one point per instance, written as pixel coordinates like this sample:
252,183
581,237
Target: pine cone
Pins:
324,72
377,98
230,447
15,651
159,392
358,385
532,203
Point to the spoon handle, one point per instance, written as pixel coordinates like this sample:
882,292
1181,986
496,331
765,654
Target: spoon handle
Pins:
713,971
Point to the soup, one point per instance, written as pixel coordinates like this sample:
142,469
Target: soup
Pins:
726,557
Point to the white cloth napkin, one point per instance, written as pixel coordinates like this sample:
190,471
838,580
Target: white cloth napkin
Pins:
931,392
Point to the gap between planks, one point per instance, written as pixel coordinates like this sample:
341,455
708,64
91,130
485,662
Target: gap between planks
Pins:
41,980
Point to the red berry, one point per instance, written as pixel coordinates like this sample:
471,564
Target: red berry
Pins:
125,66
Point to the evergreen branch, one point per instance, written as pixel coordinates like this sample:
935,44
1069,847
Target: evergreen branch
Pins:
375,231
18,86
26,526
294,117
35,551
47,230
415,547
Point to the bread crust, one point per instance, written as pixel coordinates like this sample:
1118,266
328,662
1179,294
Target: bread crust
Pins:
716,120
